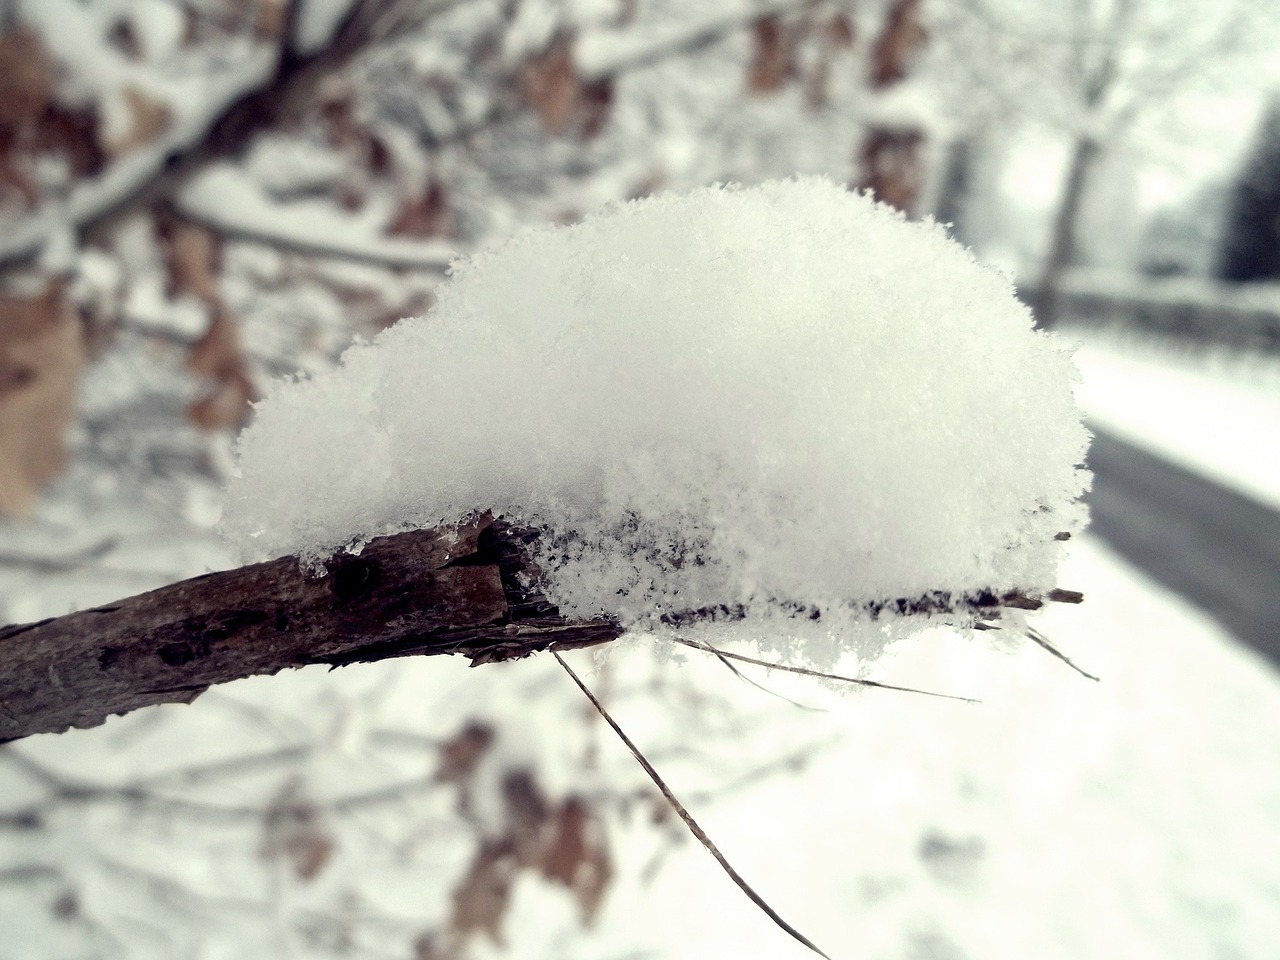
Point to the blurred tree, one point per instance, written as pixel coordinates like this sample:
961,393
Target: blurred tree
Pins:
1251,237
1096,70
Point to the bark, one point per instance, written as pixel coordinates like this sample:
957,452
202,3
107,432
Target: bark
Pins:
413,594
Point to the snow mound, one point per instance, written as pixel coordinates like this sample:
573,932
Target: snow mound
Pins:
777,398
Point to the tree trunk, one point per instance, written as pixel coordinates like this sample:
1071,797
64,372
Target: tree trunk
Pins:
419,593
1250,247
1062,243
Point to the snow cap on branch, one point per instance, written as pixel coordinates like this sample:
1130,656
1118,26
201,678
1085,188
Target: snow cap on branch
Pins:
773,398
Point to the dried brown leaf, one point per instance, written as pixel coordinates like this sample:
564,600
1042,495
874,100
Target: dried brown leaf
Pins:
269,18
528,813
461,753
226,406
26,77
294,830
896,47
337,109
41,356
217,354
576,856
192,258
309,852
564,102
16,180
72,133
840,31
427,946
550,85
595,103
893,166
426,214
148,118
563,843
481,899
773,55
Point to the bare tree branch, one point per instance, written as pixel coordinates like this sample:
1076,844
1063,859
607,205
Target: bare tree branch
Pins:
389,252
264,107
419,593
426,592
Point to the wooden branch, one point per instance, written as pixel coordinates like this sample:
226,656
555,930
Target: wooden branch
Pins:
420,593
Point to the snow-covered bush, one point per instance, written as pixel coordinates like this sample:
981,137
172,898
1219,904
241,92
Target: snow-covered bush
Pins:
774,400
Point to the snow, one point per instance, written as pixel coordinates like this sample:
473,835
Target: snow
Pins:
158,25
531,30
604,52
226,198
910,106
289,166
1216,416
148,307
319,22
766,396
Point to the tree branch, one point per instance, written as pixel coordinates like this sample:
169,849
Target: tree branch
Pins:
280,234
424,592
226,134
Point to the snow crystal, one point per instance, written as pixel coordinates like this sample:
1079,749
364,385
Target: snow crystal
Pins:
776,399
319,23
159,26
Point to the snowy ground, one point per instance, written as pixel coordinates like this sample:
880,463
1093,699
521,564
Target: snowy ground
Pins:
1216,415
1138,817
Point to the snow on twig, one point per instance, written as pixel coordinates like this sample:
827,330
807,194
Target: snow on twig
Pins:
804,671
233,206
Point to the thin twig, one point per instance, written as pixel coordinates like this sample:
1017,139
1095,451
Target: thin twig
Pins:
689,822
791,761
230,767
1039,638
815,673
760,686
